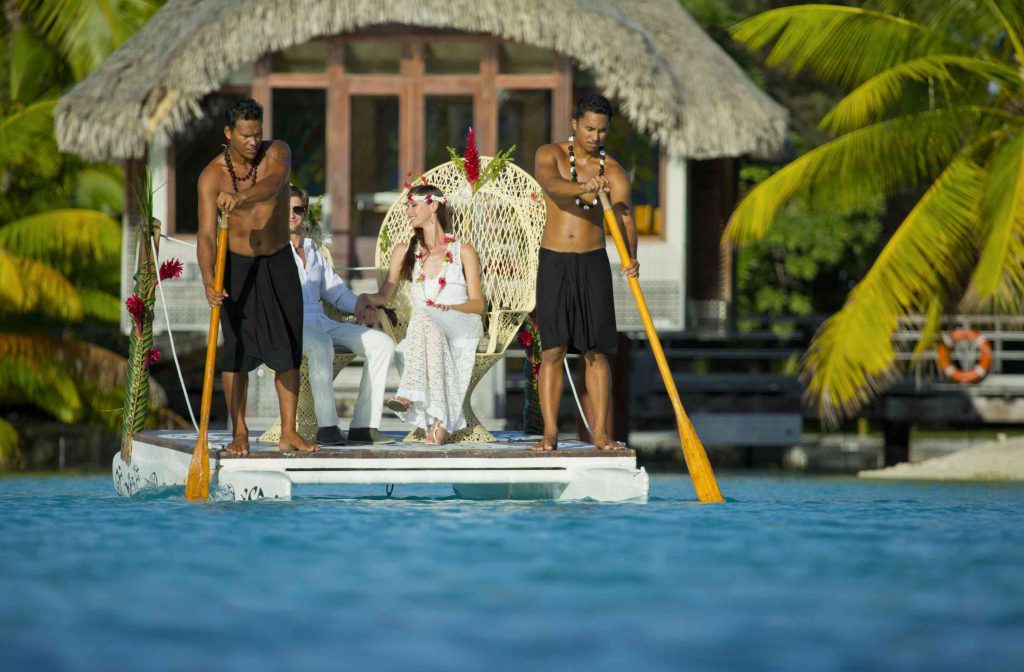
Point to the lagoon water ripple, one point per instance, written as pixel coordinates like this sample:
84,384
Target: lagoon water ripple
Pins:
791,574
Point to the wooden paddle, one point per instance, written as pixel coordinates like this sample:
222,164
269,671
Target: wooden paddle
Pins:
693,450
197,484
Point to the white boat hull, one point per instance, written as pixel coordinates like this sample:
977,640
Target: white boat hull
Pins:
502,470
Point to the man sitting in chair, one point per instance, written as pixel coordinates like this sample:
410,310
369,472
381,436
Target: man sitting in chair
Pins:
320,334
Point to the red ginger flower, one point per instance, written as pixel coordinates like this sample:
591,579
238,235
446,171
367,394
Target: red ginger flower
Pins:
170,270
525,339
536,370
472,158
136,308
152,357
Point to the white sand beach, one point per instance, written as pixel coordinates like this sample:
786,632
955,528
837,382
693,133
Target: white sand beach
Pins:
995,461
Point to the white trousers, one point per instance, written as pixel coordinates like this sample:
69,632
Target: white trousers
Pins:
319,337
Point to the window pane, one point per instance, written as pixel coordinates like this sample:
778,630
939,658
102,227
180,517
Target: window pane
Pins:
452,57
524,120
638,155
375,176
308,57
194,148
372,57
448,120
300,119
518,59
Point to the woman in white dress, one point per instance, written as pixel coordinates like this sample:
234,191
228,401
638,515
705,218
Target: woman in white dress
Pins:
436,356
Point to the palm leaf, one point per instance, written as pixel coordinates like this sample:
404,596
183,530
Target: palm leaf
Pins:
79,243
100,189
870,101
846,45
999,276
852,356
1009,15
100,305
37,288
9,452
31,372
846,172
87,31
31,65
27,141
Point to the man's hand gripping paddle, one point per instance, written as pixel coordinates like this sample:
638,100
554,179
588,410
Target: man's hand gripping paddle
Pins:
693,450
197,484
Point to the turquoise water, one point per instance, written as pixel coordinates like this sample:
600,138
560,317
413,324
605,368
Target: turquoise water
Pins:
792,574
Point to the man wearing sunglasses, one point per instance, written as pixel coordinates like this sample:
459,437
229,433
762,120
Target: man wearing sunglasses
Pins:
320,334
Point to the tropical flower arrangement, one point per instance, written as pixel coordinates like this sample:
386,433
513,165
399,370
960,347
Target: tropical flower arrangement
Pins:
469,162
529,338
169,270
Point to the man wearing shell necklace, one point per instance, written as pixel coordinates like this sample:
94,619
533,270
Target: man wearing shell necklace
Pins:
575,307
261,305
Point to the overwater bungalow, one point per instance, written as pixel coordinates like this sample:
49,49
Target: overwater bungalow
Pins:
365,92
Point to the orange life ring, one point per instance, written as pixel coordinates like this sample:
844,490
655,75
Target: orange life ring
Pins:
954,372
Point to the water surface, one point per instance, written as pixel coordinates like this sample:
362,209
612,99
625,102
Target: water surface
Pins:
794,573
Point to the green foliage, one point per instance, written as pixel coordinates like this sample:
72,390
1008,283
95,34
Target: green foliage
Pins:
934,113
796,268
86,31
9,453
59,237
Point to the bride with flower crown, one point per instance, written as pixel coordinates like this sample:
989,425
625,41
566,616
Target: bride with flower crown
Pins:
435,359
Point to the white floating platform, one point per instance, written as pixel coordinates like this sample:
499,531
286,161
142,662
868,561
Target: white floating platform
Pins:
506,469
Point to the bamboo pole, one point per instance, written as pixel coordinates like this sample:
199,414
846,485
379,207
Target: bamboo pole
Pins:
693,450
197,484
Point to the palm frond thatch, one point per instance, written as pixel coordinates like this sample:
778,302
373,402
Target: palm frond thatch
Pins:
676,85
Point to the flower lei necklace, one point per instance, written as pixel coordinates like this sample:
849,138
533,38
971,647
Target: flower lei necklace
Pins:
572,171
235,179
421,277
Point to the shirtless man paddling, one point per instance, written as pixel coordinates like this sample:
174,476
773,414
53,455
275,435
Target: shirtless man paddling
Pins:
261,315
575,308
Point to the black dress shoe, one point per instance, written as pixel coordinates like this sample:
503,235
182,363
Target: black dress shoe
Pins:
330,436
367,435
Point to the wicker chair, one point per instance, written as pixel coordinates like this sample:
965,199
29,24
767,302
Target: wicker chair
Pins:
504,221
305,417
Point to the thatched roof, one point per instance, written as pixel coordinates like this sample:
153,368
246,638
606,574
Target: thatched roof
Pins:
669,78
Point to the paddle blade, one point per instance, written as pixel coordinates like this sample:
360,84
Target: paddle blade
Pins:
197,483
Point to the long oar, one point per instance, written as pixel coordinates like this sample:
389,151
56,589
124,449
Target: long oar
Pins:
693,450
197,484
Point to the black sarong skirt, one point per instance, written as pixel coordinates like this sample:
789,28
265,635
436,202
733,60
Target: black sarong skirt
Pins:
262,316
575,307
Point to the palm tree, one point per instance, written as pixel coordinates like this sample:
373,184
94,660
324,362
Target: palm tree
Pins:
934,109
59,243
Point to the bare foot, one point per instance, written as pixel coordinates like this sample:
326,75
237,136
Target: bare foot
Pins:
239,446
291,442
436,435
398,404
546,444
606,443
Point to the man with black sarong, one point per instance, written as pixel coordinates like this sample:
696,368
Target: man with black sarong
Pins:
261,305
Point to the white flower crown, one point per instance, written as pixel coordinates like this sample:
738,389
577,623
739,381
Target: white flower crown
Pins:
427,198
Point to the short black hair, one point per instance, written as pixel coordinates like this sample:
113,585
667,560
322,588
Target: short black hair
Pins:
243,109
593,102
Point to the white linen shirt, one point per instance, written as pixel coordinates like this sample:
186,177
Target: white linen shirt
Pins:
319,281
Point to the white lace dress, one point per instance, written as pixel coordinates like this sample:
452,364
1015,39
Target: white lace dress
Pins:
435,359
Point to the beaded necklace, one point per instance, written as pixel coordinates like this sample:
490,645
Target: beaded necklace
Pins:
572,171
421,277
231,170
